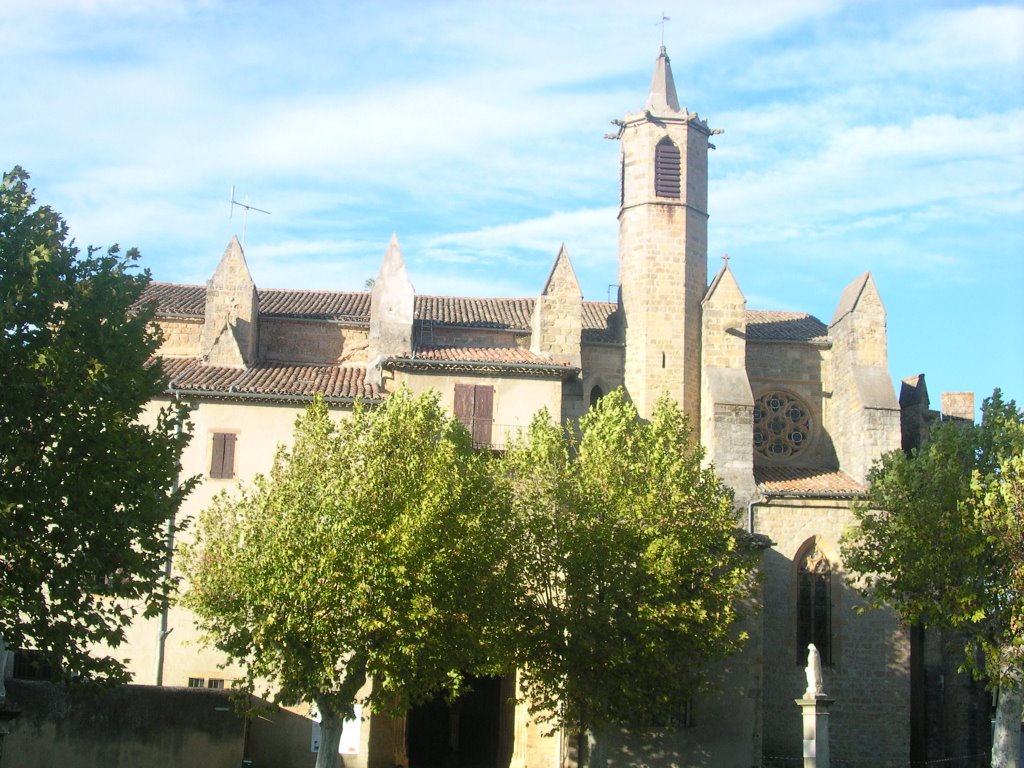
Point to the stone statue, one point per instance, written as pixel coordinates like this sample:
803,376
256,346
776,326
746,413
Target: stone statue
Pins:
815,685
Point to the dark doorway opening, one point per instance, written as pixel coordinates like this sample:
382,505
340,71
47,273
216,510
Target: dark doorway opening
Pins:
475,731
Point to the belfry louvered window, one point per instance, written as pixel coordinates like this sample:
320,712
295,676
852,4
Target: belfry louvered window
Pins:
666,169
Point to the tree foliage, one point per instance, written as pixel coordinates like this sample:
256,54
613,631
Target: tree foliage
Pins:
939,537
375,548
634,571
85,489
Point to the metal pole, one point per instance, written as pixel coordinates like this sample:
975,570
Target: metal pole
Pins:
161,641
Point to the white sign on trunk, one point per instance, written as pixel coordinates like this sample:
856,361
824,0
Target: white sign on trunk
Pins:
349,744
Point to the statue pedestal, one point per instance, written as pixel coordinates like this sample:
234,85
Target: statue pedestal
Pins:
815,713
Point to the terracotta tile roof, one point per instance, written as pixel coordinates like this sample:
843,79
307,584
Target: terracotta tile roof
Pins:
287,381
797,481
481,360
475,313
763,325
598,321
172,299
354,306
511,355
316,305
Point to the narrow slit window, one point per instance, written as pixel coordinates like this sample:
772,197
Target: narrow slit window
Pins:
814,605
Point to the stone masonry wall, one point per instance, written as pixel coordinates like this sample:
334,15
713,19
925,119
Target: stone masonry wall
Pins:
182,337
602,366
661,293
303,341
870,674
470,337
802,370
663,265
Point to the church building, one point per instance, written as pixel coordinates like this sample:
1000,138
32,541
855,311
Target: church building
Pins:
792,410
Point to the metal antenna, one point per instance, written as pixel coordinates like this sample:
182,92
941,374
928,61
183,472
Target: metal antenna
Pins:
247,207
661,24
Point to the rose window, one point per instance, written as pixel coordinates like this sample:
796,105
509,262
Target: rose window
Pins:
782,425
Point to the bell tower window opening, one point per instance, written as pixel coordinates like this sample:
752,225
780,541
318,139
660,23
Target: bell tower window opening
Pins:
782,425
667,173
814,605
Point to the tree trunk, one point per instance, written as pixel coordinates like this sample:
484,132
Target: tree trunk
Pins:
1006,736
3,669
330,737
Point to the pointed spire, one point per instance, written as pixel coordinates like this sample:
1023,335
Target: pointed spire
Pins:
392,269
392,303
231,326
662,97
563,276
556,325
861,292
724,283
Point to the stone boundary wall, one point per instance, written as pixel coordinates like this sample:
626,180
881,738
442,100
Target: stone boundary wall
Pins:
142,726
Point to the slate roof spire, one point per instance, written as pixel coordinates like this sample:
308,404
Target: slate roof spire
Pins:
662,96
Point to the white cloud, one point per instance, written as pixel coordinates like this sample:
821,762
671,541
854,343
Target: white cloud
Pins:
876,171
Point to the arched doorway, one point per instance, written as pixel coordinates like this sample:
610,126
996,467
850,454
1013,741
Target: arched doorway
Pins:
475,731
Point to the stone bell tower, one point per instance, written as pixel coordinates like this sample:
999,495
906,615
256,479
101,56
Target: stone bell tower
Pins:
663,271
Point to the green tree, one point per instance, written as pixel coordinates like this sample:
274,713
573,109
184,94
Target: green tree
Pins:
634,571
374,549
941,540
85,488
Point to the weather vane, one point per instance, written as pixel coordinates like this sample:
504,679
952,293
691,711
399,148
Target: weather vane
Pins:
247,207
661,24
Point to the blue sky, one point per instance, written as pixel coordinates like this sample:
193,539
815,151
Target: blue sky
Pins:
863,135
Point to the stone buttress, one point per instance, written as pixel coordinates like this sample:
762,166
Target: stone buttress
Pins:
727,404
863,413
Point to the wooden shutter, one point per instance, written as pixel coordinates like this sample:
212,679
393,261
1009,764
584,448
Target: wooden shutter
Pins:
483,416
464,405
222,462
474,406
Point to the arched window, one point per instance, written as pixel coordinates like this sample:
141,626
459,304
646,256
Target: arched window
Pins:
666,169
596,393
813,604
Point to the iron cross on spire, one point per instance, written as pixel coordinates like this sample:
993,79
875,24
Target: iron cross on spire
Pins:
661,24
247,207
